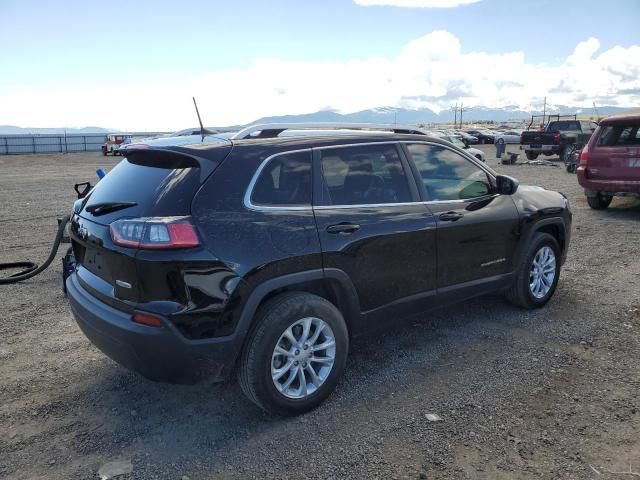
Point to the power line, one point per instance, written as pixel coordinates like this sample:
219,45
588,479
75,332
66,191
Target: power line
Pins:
461,111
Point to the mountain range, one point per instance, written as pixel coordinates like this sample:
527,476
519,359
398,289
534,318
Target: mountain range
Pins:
375,115
13,130
427,116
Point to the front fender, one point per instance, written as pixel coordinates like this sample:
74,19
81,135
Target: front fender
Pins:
542,210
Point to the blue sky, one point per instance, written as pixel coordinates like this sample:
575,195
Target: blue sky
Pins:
51,49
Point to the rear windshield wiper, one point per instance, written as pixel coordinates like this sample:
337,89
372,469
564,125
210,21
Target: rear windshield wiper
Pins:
106,207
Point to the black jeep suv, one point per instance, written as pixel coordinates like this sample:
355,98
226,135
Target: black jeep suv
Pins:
266,252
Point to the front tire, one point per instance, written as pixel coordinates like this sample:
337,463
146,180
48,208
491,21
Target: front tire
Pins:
295,354
538,273
600,201
531,155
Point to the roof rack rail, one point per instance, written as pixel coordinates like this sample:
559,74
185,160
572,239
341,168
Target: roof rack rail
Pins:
272,130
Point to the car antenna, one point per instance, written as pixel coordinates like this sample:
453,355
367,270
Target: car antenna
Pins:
199,119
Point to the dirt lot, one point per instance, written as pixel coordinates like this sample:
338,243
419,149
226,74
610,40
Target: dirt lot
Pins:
547,394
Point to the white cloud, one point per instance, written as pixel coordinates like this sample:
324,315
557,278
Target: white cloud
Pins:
416,3
431,71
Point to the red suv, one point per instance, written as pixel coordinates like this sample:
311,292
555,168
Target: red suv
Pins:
610,162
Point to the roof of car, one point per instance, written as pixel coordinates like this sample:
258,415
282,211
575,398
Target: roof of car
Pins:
615,119
273,145
311,141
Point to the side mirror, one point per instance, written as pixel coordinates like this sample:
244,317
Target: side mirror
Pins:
506,185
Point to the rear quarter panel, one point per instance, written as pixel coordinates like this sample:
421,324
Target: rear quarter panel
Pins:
252,245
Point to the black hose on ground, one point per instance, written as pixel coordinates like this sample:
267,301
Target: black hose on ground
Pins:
32,269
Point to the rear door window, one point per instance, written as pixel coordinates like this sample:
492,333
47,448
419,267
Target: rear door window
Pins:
284,181
447,175
364,175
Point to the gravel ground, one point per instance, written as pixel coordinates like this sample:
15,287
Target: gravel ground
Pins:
547,394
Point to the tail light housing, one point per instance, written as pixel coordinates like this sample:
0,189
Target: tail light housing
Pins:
556,137
584,156
162,233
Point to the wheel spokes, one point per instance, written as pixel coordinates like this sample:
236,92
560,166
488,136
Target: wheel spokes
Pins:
323,346
314,376
321,359
306,327
278,373
303,382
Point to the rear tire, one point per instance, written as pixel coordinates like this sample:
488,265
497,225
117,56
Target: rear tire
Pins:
531,155
600,201
264,371
544,252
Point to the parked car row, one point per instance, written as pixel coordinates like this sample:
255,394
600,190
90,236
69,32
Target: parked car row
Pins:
458,141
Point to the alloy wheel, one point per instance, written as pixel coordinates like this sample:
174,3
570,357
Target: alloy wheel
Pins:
542,272
303,357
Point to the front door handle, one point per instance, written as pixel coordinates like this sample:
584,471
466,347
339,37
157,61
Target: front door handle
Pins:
344,228
451,216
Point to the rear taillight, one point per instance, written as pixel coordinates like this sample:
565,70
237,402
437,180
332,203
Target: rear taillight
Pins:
556,137
154,233
584,156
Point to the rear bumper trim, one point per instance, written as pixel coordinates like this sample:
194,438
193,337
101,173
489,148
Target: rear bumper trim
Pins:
539,148
615,187
156,353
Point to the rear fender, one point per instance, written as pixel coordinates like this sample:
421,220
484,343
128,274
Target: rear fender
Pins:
341,292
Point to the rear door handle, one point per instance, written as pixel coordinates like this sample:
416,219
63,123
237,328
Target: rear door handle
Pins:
451,216
344,228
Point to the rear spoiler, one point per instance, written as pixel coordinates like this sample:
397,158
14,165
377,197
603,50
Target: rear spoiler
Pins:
174,157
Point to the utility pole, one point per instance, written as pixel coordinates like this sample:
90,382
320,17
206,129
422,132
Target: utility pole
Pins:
544,113
461,111
455,114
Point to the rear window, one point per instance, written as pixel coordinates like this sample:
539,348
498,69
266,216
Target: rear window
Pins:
567,125
156,191
619,135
